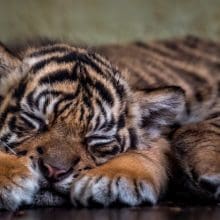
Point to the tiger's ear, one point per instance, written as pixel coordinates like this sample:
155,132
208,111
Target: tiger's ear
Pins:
160,108
8,61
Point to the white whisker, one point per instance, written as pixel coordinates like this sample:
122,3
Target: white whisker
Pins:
9,148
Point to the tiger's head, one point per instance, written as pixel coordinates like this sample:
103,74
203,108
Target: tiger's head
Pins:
70,110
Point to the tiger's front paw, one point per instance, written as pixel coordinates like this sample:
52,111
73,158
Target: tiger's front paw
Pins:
18,182
105,190
121,180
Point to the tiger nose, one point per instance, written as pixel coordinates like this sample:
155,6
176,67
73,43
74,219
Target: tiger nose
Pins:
54,174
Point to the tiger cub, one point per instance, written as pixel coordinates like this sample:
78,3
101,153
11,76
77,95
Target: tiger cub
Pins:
77,127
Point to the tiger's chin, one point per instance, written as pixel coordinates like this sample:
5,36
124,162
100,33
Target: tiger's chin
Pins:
50,197
53,193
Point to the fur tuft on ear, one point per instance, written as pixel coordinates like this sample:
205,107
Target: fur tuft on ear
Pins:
8,61
160,108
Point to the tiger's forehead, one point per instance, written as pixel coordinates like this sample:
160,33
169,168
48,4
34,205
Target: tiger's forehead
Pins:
48,59
68,83
74,72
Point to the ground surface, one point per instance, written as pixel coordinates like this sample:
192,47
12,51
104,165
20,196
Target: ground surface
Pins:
155,213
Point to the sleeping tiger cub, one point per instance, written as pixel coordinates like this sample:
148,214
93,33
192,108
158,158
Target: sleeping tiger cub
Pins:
77,127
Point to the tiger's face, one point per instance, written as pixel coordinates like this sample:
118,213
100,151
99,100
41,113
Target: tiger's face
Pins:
70,110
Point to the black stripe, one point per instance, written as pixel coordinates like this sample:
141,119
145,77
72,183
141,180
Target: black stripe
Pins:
64,108
20,90
97,124
196,136
14,127
191,77
136,189
109,125
34,118
219,89
199,97
10,52
208,47
85,59
82,112
11,123
122,143
13,144
29,99
191,41
97,85
5,137
183,57
101,108
121,122
67,97
104,93
1,99
192,58
76,71
120,89
71,57
133,137
27,122
217,125
57,77
49,94
97,57
213,115
118,138
87,101
112,71
9,109
46,103
48,50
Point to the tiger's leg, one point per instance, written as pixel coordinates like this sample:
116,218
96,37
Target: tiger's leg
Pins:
132,178
18,181
197,148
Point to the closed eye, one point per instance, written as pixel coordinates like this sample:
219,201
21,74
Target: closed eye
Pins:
21,153
99,140
107,150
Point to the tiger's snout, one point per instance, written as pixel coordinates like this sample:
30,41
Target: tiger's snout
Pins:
53,173
57,166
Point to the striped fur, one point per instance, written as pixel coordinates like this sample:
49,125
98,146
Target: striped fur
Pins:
190,63
106,126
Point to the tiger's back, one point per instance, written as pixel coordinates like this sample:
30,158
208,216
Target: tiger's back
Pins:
190,63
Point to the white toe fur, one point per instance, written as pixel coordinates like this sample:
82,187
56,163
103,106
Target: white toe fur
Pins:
106,191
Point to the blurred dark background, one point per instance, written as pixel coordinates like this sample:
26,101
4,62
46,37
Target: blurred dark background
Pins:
107,21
